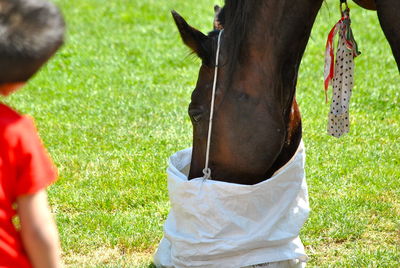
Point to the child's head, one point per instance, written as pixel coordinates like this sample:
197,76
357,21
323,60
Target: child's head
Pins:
31,31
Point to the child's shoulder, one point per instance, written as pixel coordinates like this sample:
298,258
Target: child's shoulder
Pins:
11,121
8,115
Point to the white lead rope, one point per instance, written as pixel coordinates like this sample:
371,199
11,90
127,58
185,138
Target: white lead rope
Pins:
207,170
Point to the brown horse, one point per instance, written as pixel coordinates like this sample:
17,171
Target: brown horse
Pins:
257,124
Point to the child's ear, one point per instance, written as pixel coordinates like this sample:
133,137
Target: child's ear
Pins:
8,88
192,37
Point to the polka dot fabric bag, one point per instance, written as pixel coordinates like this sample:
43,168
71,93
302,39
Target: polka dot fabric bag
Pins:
340,74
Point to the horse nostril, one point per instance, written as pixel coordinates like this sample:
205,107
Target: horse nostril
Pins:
196,115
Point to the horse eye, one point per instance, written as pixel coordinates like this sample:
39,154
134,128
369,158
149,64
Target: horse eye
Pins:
195,115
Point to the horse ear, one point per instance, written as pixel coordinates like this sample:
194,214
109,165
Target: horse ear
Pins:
218,18
192,37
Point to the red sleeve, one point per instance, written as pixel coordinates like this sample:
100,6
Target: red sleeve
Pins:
35,169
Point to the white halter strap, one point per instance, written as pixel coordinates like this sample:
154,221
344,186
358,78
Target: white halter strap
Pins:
207,170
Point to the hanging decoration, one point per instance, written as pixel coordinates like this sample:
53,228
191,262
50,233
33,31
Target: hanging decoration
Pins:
340,73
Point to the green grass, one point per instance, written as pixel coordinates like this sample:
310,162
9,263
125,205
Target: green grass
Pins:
112,106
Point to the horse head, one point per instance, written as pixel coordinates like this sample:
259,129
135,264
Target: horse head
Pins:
256,125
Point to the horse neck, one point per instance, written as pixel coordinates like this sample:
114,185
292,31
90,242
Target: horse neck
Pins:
274,39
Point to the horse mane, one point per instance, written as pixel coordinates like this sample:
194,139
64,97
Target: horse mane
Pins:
237,16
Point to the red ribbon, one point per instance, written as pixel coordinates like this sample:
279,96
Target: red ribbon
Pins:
329,50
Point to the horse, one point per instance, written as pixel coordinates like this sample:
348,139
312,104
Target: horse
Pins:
256,122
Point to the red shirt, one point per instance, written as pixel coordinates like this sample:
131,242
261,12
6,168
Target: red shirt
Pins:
25,168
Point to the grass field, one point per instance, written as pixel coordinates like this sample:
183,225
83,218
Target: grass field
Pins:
112,106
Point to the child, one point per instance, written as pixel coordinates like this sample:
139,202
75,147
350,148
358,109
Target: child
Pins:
31,31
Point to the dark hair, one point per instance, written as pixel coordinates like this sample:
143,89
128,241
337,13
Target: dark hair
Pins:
237,17
31,31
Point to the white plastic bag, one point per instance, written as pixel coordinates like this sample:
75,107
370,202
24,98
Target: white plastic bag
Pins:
219,224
